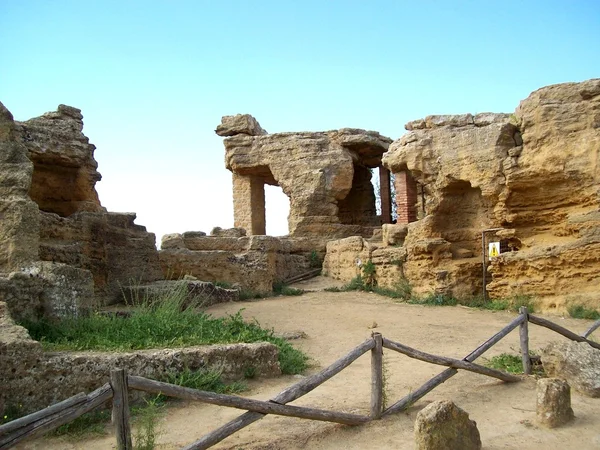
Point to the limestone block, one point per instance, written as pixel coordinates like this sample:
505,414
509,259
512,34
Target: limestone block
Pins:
443,425
553,402
239,124
172,240
228,232
394,234
576,362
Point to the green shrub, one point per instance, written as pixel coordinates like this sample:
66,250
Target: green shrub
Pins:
369,275
581,312
356,284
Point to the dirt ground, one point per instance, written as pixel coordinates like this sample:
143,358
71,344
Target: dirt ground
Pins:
335,323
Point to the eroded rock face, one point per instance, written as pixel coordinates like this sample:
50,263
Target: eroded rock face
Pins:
443,425
50,213
111,246
65,171
576,362
19,227
325,175
535,173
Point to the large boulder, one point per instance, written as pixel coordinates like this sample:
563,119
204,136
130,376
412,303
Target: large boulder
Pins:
576,362
442,425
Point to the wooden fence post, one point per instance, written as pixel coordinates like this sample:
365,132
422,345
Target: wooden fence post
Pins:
377,377
524,338
120,411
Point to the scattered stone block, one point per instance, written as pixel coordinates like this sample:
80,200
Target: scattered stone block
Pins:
443,425
553,402
576,362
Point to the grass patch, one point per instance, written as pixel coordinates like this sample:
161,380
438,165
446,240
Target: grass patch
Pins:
581,312
507,362
165,324
205,380
514,364
280,288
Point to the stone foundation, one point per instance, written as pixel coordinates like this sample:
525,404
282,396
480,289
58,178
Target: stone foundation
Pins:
33,379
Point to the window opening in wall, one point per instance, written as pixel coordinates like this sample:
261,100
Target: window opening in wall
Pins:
375,180
277,206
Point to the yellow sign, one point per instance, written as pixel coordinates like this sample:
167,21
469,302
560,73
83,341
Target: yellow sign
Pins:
493,249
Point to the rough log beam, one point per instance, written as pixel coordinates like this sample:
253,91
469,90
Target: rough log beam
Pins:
450,362
290,394
449,373
42,414
591,329
51,422
561,330
171,390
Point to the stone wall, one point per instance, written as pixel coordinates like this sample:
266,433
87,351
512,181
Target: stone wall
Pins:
33,379
252,262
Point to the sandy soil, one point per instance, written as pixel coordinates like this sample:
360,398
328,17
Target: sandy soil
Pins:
336,322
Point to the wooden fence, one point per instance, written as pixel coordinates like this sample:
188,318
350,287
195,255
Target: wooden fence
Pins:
54,416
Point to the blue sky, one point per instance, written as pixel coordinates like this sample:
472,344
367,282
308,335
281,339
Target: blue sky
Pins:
153,78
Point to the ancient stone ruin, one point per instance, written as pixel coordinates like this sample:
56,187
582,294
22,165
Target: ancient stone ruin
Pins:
534,175
529,181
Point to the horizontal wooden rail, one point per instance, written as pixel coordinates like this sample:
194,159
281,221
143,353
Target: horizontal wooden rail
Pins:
290,394
561,330
58,416
408,400
450,362
232,401
591,329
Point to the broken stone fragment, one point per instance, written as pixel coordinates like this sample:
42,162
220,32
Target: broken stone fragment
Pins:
443,425
239,124
553,402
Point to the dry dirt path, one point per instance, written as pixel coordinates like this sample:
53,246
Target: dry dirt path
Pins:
335,323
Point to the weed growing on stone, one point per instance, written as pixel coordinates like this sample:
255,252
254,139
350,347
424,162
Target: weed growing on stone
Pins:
581,312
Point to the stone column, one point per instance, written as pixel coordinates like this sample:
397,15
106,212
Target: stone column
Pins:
385,195
249,204
406,197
